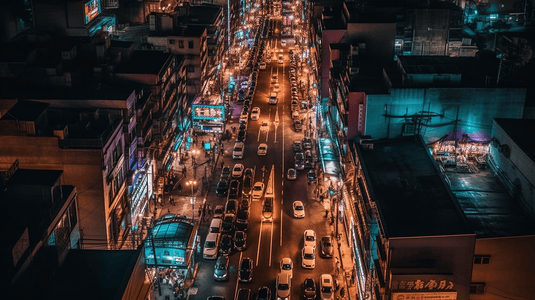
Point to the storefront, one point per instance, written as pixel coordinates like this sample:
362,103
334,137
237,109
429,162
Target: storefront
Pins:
170,250
208,115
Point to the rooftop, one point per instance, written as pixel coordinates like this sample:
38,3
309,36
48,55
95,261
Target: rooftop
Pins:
35,177
411,195
144,62
25,111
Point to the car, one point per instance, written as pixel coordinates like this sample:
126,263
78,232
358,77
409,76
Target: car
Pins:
245,273
291,174
211,245
283,43
243,294
274,79
309,238
264,293
221,268
215,298
243,117
225,244
237,171
231,206
287,266
242,126
219,210
248,173
295,115
242,218
307,143
258,190
263,65
326,246
309,289
234,189
308,257
255,113
237,153
283,286
240,240
297,146
228,224
247,185
225,172
262,149
298,209
222,188
298,126
311,177
276,88
244,204
242,134
264,126
267,210
326,287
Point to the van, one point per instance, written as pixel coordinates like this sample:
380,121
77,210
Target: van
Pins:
237,153
215,226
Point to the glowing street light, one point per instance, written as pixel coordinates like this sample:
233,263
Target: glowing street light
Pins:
192,183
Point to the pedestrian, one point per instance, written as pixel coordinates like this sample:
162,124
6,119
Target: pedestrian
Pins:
209,210
200,211
321,198
222,164
168,211
326,213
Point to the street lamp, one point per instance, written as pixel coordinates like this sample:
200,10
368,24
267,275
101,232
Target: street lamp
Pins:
192,183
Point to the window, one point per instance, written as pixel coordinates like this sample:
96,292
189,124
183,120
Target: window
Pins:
180,44
190,44
482,259
477,288
191,68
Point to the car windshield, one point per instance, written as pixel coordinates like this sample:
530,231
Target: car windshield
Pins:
298,207
326,289
286,267
284,287
221,267
257,188
309,256
210,245
310,238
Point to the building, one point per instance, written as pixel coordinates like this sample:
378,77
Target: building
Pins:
409,235
88,146
41,215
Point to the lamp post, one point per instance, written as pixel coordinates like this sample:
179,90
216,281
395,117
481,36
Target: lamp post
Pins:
192,183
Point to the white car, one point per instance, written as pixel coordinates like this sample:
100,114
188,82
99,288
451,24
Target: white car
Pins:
326,287
237,171
287,266
255,113
309,238
258,190
299,209
264,126
262,149
308,256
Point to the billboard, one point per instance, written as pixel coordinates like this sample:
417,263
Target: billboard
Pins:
91,10
208,112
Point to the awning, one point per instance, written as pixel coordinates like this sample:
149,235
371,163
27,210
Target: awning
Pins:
329,158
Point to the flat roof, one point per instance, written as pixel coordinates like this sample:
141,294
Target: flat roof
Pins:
144,62
25,111
521,131
488,206
411,195
35,177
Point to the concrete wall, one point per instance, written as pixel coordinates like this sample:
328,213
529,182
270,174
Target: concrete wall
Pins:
448,254
518,169
509,275
82,168
477,108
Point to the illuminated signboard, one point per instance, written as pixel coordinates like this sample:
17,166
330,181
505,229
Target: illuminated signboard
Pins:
425,296
91,9
208,112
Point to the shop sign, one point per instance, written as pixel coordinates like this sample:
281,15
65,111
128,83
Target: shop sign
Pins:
422,285
425,296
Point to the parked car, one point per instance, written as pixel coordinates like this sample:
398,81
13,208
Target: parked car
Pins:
219,210
225,172
222,188
307,143
255,113
326,247
298,126
311,177
262,149
221,268
283,286
245,273
231,206
228,224
234,189
242,219
211,245
297,146
326,287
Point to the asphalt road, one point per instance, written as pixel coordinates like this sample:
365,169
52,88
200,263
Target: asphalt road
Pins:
269,242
